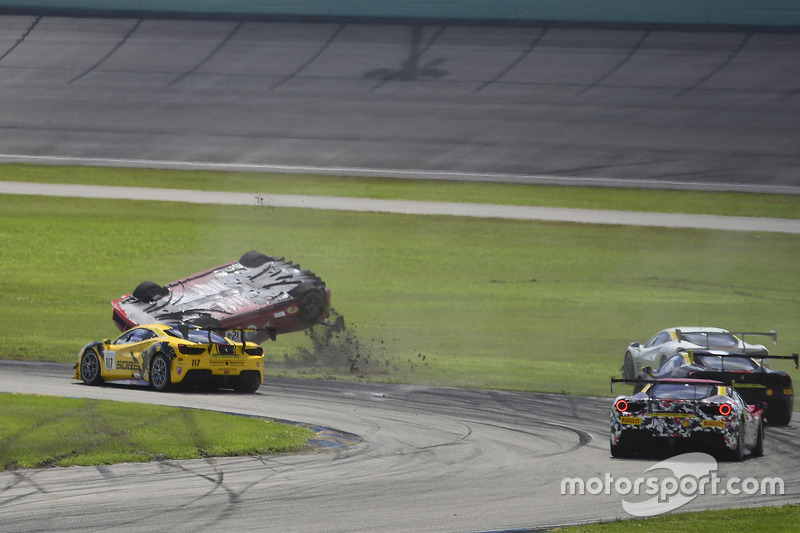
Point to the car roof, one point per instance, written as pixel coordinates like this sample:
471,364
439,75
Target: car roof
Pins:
698,329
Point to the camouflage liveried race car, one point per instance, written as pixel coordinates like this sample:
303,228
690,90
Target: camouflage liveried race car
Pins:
697,413
163,355
752,379
255,292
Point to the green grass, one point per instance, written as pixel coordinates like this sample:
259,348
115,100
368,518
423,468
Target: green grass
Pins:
761,519
702,202
438,300
41,431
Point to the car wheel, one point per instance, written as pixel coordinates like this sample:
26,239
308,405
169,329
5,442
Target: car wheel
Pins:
620,450
148,291
778,414
758,451
90,368
312,304
253,259
160,370
628,370
248,382
206,321
738,453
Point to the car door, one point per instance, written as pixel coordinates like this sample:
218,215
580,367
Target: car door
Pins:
651,352
123,359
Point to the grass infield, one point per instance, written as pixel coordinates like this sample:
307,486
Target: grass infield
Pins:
439,300
442,300
41,431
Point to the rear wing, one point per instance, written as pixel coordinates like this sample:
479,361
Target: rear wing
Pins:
687,381
184,329
740,334
794,357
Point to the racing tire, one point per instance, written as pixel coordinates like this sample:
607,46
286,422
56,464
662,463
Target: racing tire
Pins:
312,304
253,259
90,368
738,454
628,370
149,292
621,450
206,321
248,382
758,450
778,414
160,373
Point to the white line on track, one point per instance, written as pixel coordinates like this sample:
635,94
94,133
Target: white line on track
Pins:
551,214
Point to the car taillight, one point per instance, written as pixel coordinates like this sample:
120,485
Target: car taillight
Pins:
724,409
621,405
190,350
254,351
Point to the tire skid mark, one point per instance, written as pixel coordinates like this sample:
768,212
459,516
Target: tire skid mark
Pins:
109,54
21,39
719,68
515,62
584,437
313,58
619,65
206,59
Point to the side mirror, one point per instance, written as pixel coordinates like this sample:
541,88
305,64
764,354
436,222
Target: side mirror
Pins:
107,341
647,370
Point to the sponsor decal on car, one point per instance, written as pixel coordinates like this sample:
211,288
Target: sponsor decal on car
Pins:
631,420
713,423
293,310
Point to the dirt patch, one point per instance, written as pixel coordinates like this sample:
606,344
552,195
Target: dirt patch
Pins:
335,346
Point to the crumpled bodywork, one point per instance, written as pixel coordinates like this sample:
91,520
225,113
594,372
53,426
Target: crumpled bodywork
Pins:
256,292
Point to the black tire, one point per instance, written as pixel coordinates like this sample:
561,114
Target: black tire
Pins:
206,321
248,382
312,303
778,414
628,370
758,450
253,259
90,368
160,373
147,291
738,454
621,450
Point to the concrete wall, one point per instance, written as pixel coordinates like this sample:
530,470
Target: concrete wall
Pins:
715,12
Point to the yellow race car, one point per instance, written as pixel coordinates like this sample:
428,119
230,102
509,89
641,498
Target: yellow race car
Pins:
161,355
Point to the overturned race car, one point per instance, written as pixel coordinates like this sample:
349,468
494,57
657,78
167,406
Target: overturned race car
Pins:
256,292
698,413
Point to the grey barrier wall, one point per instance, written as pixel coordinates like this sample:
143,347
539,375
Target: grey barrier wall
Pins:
694,12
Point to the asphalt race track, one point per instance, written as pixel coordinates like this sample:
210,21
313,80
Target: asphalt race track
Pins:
644,105
649,107
430,459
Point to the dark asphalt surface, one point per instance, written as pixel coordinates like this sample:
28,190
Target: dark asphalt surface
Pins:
646,105
430,459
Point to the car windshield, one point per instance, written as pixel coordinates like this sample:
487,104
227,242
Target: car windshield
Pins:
681,391
716,340
199,335
732,364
